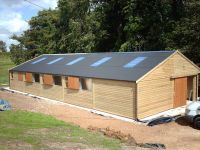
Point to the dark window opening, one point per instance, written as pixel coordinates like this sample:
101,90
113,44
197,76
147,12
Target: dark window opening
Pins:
86,84
37,78
57,80
11,75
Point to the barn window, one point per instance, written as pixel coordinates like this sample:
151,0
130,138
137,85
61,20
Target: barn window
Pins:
57,80
20,76
73,83
11,75
47,79
36,77
86,84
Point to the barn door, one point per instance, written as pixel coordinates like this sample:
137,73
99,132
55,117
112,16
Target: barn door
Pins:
180,89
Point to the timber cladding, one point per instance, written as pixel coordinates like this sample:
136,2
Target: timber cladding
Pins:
78,97
17,82
157,89
116,97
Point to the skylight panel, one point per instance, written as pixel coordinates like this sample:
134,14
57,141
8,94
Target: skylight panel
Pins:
39,60
101,61
54,61
134,62
75,61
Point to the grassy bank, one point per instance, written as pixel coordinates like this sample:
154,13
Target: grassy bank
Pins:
5,64
27,130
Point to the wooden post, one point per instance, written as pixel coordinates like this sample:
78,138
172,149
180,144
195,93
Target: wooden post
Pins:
63,87
197,86
93,94
194,89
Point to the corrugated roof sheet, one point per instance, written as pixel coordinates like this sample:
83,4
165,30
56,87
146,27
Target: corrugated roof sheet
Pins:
112,69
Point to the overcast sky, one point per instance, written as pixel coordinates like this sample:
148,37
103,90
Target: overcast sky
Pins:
14,15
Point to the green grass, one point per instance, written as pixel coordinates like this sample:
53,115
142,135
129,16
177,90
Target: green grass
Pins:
5,64
38,130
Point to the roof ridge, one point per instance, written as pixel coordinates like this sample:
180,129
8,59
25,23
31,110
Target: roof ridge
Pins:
167,51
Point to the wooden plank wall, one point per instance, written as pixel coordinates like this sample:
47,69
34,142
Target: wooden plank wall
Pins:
17,84
78,97
116,97
181,67
156,90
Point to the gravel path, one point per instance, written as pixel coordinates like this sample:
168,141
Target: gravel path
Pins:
177,135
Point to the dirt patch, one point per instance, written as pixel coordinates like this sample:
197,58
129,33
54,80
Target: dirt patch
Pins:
115,134
17,145
174,135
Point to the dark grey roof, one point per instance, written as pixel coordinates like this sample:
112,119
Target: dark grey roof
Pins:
112,69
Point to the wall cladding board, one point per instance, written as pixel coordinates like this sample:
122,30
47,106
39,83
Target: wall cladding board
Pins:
16,84
33,88
156,89
182,67
52,92
78,97
116,97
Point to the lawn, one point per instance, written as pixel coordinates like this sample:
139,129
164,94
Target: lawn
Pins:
28,130
5,64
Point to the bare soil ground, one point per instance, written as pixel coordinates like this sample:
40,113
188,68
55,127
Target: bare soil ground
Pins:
177,135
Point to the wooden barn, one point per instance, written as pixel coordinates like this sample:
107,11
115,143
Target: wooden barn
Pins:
132,85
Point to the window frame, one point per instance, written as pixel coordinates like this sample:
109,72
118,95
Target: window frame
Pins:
11,75
86,81
34,74
56,81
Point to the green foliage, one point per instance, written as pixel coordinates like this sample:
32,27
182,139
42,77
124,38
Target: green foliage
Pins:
5,64
186,33
38,130
79,26
2,46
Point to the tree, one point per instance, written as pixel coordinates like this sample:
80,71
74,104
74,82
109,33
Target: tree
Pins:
18,54
2,46
186,33
40,38
79,26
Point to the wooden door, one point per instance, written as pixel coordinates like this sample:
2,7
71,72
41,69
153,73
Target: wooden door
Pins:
180,89
73,83
47,79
